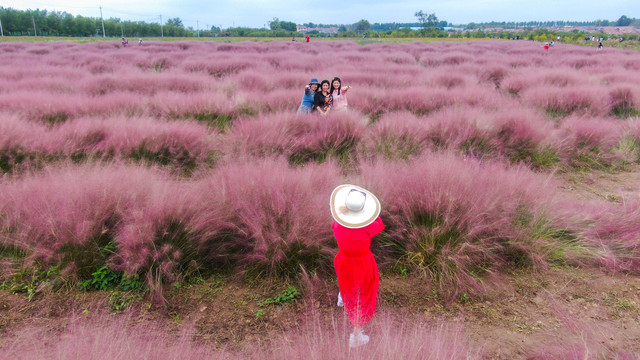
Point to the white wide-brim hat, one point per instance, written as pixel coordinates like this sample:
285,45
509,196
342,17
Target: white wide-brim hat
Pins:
364,206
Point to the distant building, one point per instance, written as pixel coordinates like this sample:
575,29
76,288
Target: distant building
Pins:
323,30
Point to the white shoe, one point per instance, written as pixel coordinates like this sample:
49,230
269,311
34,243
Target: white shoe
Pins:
340,303
356,341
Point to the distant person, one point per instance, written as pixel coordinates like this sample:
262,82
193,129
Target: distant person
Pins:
125,42
356,212
293,39
140,42
309,96
546,46
600,46
339,94
323,100
308,38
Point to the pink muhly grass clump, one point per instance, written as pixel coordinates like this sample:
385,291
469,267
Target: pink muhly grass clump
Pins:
494,75
154,239
514,133
183,144
564,101
104,337
459,220
253,102
614,231
415,99
280,214
584,142
624,101
391,338
67,215
559,78
222,67
299,138
52,108
17,133
397,135
144,84
203,106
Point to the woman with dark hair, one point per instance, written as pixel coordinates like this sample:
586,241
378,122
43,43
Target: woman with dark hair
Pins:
309,97
339,94
323,99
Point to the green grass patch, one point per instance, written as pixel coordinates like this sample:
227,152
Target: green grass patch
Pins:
220,121
624,112
341,150
545,158
397,147
164,157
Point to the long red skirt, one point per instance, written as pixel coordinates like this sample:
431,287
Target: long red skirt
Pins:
358,279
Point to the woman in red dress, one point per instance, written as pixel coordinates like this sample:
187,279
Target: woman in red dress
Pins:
355,211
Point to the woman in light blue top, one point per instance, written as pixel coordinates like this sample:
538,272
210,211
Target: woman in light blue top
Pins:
307,98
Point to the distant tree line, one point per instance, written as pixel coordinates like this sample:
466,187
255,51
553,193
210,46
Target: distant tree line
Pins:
622,21
56,23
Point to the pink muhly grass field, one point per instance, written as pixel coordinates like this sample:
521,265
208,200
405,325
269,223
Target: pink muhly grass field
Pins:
247,180
563,81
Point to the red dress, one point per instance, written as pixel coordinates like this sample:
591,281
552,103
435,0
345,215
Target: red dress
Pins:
357,270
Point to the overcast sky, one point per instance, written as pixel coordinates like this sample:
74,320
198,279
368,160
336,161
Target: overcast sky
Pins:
257,13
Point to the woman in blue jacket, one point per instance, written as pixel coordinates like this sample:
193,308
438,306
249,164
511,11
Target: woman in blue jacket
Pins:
308,97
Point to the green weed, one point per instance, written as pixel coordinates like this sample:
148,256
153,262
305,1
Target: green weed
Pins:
289,295
29,281
105,278
120,301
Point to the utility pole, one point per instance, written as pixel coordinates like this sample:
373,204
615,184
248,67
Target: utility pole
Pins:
102,19
161,31
34,25
198,27
122,29
1,31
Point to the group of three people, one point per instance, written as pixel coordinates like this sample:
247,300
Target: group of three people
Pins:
325,96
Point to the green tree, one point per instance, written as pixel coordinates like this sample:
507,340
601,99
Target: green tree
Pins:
624,21
275,24
427,21
288,25
175,22
361,26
